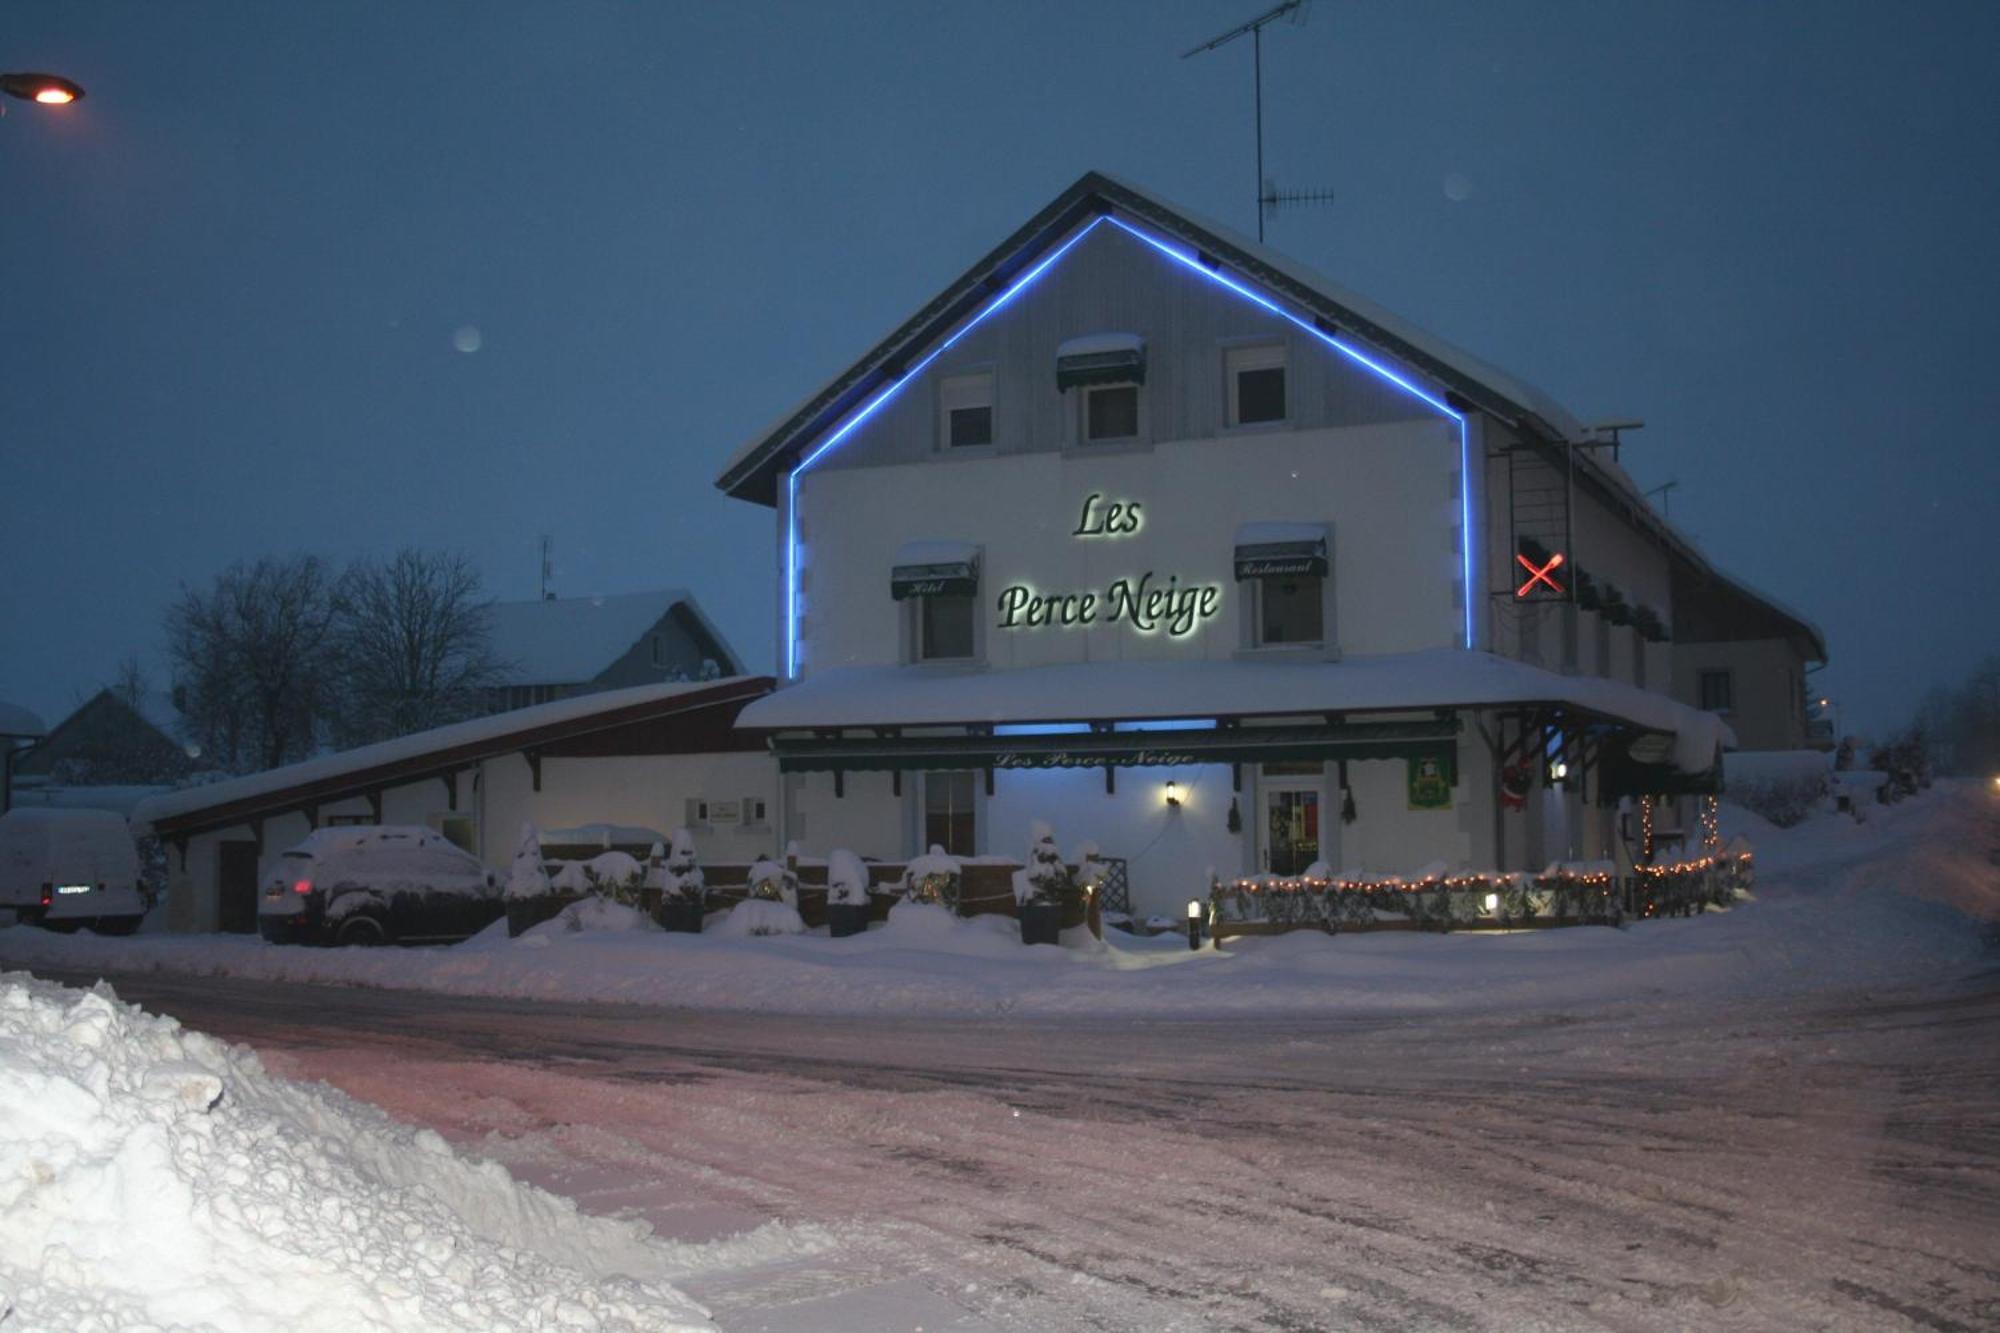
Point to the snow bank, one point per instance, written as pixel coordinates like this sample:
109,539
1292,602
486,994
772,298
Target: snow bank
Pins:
155,1178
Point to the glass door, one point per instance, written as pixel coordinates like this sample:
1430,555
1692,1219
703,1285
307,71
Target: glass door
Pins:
1291,829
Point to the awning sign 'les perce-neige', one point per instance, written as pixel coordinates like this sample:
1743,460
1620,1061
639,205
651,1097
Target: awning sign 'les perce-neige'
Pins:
1147,603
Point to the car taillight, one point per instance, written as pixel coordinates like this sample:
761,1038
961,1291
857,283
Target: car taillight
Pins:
303,887
48,894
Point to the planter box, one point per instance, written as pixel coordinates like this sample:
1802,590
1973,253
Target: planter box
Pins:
682,918
1041,923
843,919
523,914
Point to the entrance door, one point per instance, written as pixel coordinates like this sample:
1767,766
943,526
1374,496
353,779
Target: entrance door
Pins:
236,887
1291,829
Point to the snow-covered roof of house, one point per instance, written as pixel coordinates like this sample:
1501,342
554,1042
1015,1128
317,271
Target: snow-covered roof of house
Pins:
570,640
861,696
443,749
752,473
18,722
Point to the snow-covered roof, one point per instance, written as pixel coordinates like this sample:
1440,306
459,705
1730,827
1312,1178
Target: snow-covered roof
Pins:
751,472
1263,532
18,721
495,731
570,640
861,696
911,554
1098,344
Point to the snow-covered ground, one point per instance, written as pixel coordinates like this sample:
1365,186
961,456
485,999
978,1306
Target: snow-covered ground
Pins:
1781,1116
1838,904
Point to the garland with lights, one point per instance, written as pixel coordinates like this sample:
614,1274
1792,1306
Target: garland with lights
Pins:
1583,893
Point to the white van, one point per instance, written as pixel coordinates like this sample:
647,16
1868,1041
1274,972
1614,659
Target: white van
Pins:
69,869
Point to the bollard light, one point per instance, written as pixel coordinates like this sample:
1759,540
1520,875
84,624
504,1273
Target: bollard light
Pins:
1492,902
1194,923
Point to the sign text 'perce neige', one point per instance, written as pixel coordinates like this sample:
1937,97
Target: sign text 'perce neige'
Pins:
1148,603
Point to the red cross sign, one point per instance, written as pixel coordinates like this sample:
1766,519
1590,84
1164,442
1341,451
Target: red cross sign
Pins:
1539,575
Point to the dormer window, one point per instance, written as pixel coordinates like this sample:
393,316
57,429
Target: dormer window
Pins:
1108,373
965,411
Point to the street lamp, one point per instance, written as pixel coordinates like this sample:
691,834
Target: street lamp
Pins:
48,89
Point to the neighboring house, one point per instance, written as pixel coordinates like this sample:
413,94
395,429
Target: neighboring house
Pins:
1144,529
19,728
1742,655
559,647
108,742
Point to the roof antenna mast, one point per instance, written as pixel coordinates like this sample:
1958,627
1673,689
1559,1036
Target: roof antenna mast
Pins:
548,566
1269,197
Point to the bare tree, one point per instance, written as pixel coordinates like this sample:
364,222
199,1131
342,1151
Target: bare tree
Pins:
255,657
415,646
129,683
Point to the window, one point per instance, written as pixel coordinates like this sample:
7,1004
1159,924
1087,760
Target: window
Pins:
698,815
945,627
754,813
948,816
1256,384
965,410
1110,412
1717,691
1290,609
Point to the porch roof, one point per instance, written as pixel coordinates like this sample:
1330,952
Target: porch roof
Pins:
1110,692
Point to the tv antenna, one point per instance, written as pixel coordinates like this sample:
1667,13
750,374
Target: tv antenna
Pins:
548,565
1269,197
1665,491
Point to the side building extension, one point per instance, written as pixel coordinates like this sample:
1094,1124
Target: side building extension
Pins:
652,756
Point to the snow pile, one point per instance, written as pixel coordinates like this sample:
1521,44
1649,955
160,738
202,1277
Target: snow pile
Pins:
591,914
154,1178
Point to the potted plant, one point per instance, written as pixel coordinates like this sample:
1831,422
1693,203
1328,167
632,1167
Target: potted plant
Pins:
1040,889
683,893
772,904
933,878
847,907
531,899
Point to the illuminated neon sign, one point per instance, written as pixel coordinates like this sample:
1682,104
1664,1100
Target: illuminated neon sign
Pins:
1193,264
1117,518
1539,574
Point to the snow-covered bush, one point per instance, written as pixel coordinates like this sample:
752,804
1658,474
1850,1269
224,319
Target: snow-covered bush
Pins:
528,877
681,880
1784,800
613,875
933,878
762,916
773,881
846,880
1045,880
1091,868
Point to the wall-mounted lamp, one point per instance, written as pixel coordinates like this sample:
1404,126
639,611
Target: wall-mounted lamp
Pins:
1194,923
1173,796
1558,770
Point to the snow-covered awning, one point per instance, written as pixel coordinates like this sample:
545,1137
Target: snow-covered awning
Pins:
934,569
1438,678
1101,358
1268,550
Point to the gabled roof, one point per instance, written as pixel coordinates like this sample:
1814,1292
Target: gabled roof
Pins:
449,749
571,640
1464,379
18,722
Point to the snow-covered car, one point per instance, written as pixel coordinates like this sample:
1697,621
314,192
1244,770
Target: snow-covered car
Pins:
70,869
377,884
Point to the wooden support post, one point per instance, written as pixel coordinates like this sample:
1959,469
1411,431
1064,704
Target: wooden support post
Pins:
989,780
1236,778
311,812
534,758
839,783
375,804
451,790
896,782
1110,780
